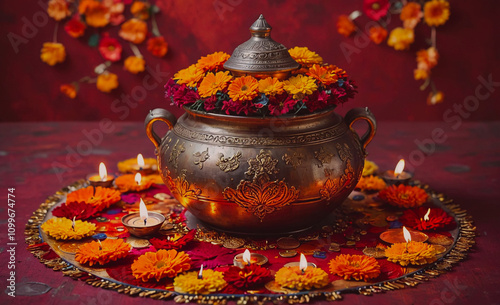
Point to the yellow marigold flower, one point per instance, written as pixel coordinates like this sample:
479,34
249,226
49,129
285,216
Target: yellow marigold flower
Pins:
69,90
134,64
53,53
411,14
270,86
62,228
420,74
358,267
107,82
400,38
303,55
243,88
415,253
58,9
157,265
134,30
189,76
300,86
96,14
292,277
213,62
211,282
369,168
140,9
371,183
322,74
436,12
212,83
429,57
94,253
435,98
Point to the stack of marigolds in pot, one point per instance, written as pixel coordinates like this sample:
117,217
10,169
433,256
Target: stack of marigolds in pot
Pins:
207,86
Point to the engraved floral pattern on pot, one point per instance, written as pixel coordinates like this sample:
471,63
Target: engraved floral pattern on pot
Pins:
323,156
181,186
334,186
294,159
178,149
263,164
229,164
200,157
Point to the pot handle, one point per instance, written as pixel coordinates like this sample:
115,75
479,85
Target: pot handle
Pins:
362,114
158,114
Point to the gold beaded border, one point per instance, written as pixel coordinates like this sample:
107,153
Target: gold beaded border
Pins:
458,252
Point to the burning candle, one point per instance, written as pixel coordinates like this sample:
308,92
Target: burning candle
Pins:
103,179
411,252
143,167
138,178
426,216
393,236
300,277
200,274
302,264
246,259
143,223
398,175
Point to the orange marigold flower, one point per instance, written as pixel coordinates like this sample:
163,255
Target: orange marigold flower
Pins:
96,13
157,46
108,250
140,9
157,265
377,34
102,198
322,74
75,28
107,82
371,183
134,64
58,9
415,253
429,57
213,62
243,88
69,90
134,30
421,74
411,14
358,267
404,196
53,53
341,73
189,76
400,38
303,55
345,26
435,98
270,86
213,83
436,12
300,86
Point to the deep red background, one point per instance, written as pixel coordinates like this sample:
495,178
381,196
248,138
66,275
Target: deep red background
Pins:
468,44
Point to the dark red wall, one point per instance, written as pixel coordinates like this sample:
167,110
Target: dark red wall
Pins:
469,46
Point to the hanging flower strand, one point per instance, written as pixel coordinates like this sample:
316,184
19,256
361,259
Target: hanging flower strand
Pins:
134,64
53,52
156,44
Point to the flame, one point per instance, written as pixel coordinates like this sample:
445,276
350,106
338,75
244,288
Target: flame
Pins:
399,167
246,257
103,173
200,274
143,211
406,234
426,216
100,245
73,225
138,178
140,160
303,262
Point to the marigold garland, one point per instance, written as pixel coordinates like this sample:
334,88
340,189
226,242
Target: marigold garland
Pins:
102,198
211,281
414,253
292,277
358,267
403,196
371,183
62,228
414,219
94,253
157,265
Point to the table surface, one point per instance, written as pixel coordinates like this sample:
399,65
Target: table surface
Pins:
463,161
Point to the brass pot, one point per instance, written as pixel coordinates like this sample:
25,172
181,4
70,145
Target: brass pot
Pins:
260,175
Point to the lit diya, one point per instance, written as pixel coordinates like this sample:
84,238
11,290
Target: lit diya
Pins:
302,277
160,264
202,282
398,175
64,228
131,182
404,196
144,166
357,267
426,219
393,236
411,252
100,197
102,179
248,276
246,258
143,223
97,252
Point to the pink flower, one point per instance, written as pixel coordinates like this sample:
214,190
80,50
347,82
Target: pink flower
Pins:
110,48
376,9
281,104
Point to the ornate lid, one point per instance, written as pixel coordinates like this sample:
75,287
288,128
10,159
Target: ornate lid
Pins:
260,56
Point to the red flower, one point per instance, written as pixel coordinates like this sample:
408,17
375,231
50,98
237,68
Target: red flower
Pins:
157,46
317,100
414,219
249,277
376,9
281,104
164,243
110,48
75,28
233,107
80,210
